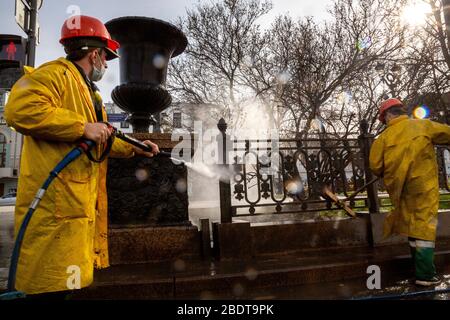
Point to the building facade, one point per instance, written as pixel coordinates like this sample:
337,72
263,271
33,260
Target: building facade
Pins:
10,148
117,118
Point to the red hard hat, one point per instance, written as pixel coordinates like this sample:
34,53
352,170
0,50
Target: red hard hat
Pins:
386,105
88,27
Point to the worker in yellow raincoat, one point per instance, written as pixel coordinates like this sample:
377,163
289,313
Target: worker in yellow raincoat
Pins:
53,106
404,155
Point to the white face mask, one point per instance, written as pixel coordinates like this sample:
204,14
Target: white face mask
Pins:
97,74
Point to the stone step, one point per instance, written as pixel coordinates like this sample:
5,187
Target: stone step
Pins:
334,273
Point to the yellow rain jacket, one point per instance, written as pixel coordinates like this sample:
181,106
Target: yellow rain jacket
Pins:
50,106
404,154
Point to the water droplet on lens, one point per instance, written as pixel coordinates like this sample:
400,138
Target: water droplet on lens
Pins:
159,61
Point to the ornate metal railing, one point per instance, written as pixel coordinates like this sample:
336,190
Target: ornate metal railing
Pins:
292,178
287,175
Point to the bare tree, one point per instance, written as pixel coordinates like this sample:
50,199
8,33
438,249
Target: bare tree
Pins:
223,36
323,59
336,72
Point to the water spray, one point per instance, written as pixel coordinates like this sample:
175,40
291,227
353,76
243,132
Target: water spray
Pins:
198,167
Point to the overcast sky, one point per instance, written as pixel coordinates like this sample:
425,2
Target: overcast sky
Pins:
54,12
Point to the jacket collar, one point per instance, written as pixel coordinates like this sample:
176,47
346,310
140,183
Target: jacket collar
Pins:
88,81
397,120
79,77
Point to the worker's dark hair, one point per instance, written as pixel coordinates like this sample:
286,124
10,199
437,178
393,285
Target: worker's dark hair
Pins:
79,54
397,110
78,48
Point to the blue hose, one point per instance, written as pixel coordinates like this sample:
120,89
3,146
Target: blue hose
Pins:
12,293
404,295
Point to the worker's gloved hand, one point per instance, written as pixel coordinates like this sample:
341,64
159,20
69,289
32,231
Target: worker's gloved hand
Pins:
139,151
97,132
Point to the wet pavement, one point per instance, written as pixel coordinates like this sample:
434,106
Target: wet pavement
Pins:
6,241
407,290
339,273
353,289
336,273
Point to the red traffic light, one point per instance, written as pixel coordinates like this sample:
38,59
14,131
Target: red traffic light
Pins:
12,49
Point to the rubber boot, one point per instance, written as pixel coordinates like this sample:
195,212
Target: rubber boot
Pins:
424,263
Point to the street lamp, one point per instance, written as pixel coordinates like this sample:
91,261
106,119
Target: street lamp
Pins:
390,76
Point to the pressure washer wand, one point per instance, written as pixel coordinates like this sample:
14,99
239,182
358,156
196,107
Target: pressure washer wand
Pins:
328,193
122,136
354,194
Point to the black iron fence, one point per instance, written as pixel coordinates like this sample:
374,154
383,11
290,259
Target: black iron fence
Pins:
276,176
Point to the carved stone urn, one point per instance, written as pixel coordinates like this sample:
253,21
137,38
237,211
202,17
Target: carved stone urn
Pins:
146,46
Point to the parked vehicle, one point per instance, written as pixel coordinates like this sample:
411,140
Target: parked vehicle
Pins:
8,199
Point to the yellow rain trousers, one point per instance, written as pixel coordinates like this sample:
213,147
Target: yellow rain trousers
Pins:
404,154
68,231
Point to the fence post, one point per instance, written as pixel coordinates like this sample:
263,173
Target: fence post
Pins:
366,140
224,186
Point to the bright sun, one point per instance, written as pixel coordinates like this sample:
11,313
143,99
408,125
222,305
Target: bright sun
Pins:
415,13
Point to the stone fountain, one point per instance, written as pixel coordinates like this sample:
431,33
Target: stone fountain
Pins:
147,198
